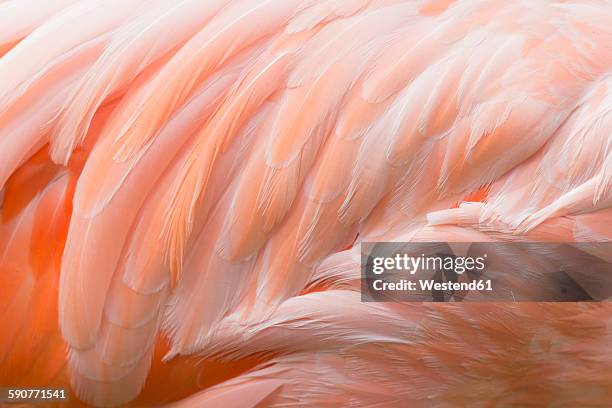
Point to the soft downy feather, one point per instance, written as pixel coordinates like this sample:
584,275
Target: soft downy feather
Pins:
227,172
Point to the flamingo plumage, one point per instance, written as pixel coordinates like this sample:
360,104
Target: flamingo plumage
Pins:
184,188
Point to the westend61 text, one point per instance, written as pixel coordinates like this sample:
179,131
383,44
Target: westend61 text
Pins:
430,284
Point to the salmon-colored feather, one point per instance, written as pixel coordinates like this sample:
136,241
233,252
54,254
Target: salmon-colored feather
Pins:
185,188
